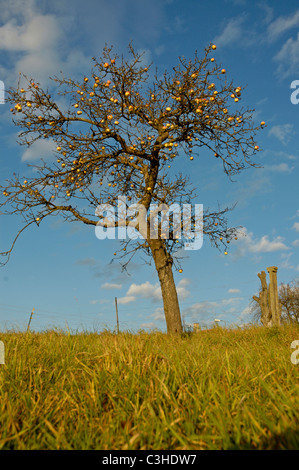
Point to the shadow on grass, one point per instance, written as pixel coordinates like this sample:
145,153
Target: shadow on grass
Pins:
289,440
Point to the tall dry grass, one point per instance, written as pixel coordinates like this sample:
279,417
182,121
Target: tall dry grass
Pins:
217,389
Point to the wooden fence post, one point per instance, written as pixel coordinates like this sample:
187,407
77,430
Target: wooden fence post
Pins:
116,309
28,326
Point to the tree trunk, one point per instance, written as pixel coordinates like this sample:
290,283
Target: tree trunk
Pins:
163,262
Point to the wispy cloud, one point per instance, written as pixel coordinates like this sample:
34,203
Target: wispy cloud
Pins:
287,58
247,243
296,226
207,311
40,149
280,168
283,24
232,32
146,290
111,285
126,299
283,132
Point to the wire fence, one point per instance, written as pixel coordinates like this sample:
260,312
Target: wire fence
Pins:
15,317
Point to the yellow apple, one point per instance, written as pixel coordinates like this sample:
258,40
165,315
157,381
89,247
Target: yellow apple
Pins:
214,46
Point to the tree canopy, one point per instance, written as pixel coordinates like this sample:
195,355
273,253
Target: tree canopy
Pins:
117,132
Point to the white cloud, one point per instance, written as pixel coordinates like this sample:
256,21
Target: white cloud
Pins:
111,285
182,292
41,32
233,291
159,314
40,149
264,245
247,243
268,12
281,168
145,290
288,58
282,132
148,325
296,226
40,43
126,299
283,24
231,33
207,311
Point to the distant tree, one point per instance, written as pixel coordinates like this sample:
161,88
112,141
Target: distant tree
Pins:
116,134
289,299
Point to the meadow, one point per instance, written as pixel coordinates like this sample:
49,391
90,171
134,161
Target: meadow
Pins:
222,388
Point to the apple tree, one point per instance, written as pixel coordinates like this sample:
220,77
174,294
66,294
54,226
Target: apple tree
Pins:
118,132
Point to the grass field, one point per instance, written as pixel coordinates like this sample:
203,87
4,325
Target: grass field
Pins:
216,389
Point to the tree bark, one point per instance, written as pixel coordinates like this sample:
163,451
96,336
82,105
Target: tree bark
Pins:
163,262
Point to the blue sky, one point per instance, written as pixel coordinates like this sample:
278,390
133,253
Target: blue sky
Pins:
64,271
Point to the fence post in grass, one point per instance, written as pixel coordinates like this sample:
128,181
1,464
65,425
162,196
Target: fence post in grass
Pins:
116,309
28,326
274,303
